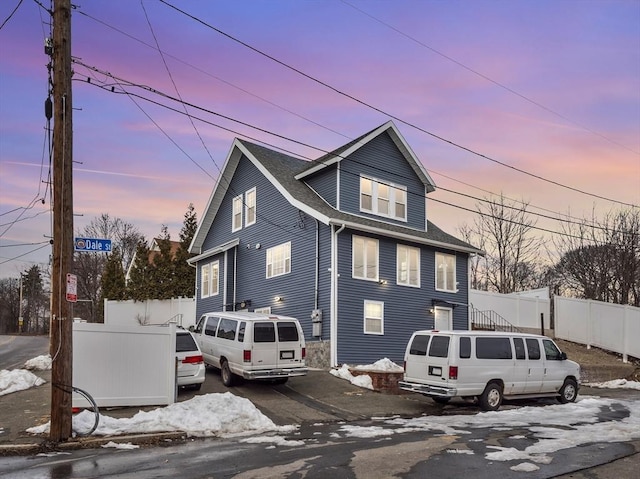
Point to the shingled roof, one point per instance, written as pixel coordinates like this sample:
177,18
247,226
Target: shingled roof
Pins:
287,175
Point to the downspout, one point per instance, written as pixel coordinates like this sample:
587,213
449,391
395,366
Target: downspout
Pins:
235,276
317,279
334,295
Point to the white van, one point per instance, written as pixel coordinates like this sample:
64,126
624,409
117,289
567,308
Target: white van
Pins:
252,345
488,366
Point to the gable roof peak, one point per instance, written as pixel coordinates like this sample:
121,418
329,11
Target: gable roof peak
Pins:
344,151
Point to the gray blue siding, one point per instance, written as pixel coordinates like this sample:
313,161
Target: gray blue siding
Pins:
406,309
380,159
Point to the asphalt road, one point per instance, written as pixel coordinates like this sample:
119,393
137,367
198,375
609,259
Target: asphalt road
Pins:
321,448
15,350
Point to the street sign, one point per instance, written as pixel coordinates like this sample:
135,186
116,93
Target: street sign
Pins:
72,288
92,244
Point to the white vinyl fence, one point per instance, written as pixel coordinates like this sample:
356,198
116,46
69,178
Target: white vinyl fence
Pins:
151,312
613,327
525,311
124,365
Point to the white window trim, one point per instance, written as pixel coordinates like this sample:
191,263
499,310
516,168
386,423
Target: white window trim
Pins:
266,310
398,271
247,206
454,288
381,318
209,290
287,256
235,213
364,268
392,198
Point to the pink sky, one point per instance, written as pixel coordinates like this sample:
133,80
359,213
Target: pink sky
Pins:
577,62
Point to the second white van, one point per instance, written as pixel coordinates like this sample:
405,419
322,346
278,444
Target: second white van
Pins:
252,345
488,366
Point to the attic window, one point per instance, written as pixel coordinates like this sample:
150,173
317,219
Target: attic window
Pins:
383,198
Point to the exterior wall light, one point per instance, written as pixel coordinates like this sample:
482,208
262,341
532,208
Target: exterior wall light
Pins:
277,299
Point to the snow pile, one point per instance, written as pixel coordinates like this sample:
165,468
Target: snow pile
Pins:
615,384
202,416
17,380
363,380
120,445
39,363
384,365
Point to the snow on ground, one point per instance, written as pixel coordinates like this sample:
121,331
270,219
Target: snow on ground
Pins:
219,414
17,380
39,363
615,384
364,380
551,428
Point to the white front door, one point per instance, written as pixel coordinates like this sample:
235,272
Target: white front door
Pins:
443,319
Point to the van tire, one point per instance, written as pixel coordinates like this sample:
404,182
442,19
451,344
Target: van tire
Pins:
491,397
568,391
226,374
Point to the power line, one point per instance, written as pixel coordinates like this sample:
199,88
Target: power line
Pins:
390,115
11,14
485,77
319,149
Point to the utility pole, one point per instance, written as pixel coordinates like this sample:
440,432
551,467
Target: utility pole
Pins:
61,321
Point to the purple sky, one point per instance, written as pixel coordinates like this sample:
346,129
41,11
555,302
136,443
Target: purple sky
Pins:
552,88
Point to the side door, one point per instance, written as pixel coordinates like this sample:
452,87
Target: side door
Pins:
264,349
205,333
521,371
535,376
227,346
555,372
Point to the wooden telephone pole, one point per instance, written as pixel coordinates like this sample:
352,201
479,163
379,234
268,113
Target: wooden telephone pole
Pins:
61,321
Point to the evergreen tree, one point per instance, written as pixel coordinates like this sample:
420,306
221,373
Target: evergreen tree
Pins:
163,270
113,285
185,275
139,285
35,302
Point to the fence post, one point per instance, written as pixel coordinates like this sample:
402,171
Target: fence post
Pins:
589,325
625,339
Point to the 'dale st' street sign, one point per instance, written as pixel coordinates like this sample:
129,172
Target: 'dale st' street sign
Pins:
92,244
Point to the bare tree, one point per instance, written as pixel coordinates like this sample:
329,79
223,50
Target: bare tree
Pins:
89,267
600,259
504,230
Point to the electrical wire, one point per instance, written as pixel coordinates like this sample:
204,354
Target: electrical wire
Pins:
11,14
491,80
310,146
390,115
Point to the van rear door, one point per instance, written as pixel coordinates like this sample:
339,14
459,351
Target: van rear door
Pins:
416,358
289,344
264,352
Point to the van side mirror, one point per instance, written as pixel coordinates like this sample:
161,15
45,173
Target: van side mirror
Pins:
192,328
563,356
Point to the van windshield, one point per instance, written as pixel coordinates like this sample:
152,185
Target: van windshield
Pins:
287,331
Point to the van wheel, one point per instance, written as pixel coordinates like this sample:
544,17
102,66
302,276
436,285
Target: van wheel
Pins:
227,375
491,397
440,399
568,391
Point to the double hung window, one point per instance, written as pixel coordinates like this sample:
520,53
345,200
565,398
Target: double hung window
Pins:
365,258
